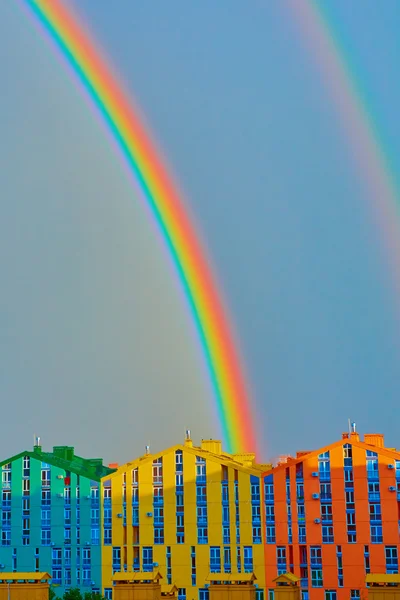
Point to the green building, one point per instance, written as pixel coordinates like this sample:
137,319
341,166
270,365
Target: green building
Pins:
50,516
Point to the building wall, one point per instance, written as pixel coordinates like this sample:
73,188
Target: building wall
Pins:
332,494
189,556
71,548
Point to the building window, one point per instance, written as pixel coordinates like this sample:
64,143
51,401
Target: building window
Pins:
316,578
46,537
270,534
193,562
392,564
375,513
238,559
157,471
147,558
327,534
181,593
355,594
108,593
248,559
6,538
107,537
227,560
302,534
204,594
56,564
376,534
215,559
202,535
116,559
159,535
281,559
330,594
326,513
226,534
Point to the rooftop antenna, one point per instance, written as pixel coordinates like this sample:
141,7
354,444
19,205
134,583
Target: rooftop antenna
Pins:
349,427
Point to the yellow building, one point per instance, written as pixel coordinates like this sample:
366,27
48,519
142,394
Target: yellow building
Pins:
24,586
186,512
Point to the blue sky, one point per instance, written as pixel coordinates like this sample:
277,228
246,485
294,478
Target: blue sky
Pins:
98,348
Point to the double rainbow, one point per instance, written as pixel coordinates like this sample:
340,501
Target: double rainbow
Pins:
210,318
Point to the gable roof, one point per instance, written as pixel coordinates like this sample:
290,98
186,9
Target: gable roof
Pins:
231,577
289,578
353,441
25,576
223,459
382,578
91,468
137,577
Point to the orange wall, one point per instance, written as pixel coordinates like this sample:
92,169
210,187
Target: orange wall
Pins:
352,554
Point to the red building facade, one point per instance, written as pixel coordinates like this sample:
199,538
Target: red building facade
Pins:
331,516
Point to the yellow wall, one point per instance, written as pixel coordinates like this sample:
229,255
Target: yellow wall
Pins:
25,591
232,592
287,592
137,591
383,593
181,553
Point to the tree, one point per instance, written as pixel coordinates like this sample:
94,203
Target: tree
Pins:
52,594
74,594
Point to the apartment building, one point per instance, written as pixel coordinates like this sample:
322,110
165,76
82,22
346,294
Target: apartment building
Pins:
50,516
186,511
331,516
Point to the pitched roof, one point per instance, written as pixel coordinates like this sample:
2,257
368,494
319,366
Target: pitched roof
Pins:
224,459
382,578
65,458
134,576
286,577
231,577
24,576
169,590
388,452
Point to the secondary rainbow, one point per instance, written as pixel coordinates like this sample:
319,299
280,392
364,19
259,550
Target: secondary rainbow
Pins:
361,131
210,318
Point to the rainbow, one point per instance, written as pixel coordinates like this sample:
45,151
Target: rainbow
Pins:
373,165
210,318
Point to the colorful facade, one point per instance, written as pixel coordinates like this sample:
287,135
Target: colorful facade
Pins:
332,516
186,511
50,516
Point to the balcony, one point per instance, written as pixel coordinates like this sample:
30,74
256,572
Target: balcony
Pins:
304,583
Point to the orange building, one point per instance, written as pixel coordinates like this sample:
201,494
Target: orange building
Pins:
331,516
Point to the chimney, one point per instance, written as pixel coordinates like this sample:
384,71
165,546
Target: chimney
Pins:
374,439
345,435
188,439
353,432
214,446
